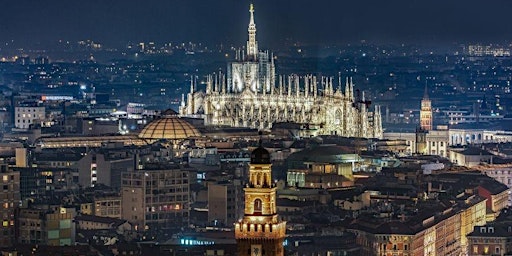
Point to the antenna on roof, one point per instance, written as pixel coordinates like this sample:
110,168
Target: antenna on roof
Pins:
260,143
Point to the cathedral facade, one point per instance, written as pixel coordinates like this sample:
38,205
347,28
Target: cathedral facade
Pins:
248,96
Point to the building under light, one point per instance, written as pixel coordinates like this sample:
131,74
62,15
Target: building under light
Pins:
249,97
260,232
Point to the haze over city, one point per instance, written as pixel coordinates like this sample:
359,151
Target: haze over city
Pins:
118,22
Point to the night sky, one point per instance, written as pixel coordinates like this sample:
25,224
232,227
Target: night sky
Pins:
116,22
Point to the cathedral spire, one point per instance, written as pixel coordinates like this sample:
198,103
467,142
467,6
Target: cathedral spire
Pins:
347,88
191,84
252,44
210,83
351,90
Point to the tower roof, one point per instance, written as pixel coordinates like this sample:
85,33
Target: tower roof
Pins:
425,93
260,156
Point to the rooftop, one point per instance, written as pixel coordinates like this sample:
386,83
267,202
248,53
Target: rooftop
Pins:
169,126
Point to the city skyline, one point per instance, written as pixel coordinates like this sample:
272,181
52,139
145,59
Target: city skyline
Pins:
237,128
217,22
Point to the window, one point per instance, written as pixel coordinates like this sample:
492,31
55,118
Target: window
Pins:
64,224
257,206
497,250
475,249
65,241
53,234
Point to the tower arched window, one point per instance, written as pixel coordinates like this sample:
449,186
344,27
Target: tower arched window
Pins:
258,205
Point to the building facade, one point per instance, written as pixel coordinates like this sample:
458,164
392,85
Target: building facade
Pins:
500,173
324,166
248,97
10,199
260,232
491,239
30,226
104,166
49,225
60,226
27,115
155,197
107,206
468,136
443,233
225,202
434,142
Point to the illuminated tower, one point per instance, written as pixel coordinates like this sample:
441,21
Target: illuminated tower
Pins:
260,232
252,44
426,112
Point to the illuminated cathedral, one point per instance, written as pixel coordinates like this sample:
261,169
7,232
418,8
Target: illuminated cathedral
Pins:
248,96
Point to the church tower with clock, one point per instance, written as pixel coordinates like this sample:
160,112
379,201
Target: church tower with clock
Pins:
260,232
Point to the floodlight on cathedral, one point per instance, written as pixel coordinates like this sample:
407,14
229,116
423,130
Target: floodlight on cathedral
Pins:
248,96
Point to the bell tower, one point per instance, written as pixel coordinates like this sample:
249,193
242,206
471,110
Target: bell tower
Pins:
426,112
260,232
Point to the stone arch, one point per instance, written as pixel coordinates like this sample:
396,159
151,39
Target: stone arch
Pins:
257,206
338,117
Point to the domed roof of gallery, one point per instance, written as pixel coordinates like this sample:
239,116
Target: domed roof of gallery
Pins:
169,126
